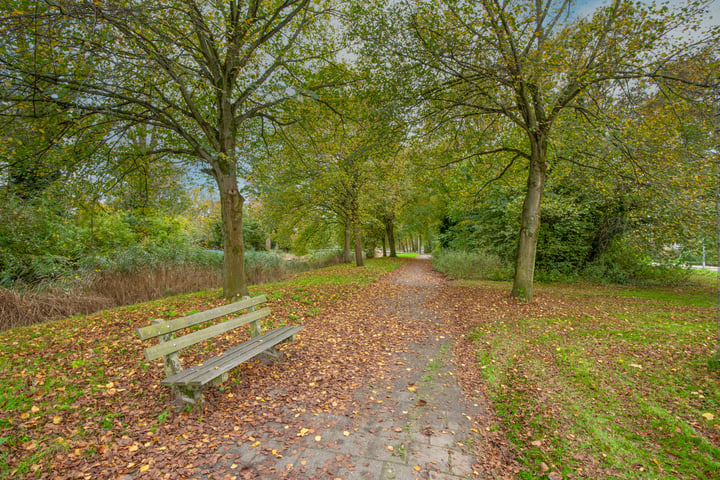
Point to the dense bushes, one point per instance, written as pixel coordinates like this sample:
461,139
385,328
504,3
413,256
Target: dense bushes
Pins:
618,266
585,233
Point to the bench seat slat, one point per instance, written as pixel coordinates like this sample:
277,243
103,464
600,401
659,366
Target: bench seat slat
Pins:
176,344
201,375
184,322
231,355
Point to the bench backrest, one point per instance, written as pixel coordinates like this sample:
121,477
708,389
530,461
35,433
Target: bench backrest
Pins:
177,344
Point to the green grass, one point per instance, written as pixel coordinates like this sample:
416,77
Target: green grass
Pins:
407,255
616,379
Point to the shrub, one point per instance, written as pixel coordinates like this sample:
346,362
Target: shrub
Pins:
459,264
622,264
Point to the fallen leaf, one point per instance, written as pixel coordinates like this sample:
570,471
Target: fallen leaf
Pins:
708,416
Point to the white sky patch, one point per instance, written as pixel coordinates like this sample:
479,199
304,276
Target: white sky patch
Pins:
710,20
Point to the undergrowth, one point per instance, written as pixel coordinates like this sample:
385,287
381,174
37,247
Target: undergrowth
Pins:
471,265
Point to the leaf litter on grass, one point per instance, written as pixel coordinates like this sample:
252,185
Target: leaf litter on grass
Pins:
594,386
78,399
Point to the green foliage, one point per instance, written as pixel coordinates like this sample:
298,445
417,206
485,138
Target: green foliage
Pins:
471,265
42,240
37,240
623,264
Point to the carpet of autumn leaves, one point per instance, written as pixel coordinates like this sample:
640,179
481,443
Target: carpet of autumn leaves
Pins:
588,382
79,400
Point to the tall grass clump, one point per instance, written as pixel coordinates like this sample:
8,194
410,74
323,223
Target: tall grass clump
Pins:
324,258
471,265
264,267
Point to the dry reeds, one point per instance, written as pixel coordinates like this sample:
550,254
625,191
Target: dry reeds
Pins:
112,288
28,308
106,290
149,284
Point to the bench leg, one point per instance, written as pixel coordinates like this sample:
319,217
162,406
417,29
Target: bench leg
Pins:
272,352
188,396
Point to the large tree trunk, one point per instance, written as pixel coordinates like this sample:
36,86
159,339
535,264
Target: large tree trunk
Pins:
390,232
358,245
231,205
529,224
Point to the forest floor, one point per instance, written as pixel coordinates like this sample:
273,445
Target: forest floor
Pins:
399,373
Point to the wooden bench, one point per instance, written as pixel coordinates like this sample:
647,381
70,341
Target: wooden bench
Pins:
187,384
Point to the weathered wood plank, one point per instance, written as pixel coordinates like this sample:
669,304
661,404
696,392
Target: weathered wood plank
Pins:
184,322
253,346
176,344
204,374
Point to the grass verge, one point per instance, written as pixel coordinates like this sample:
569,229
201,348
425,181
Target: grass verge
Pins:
602,382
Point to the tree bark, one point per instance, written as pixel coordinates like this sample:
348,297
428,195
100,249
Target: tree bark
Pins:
231,206
358,245
346,249
529,224
390,232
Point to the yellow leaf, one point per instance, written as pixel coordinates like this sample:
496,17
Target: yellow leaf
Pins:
34,409
708,416
346,433
144,468
57,419
318,438
416,467
256,444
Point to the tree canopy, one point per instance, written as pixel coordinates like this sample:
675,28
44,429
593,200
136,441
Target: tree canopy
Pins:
461,122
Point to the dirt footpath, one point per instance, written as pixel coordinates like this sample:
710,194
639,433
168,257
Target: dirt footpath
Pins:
409,420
